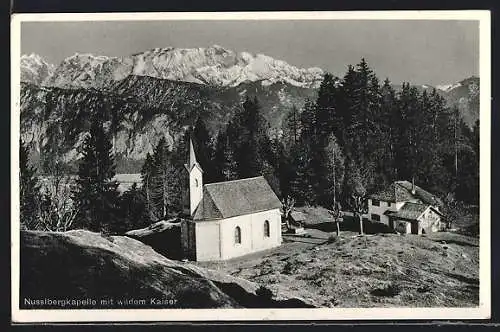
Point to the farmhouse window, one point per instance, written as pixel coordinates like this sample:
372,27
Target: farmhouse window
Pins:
196,182
389,204
375,202
266,229
237,235
375,217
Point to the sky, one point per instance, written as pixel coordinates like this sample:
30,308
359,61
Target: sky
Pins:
419,52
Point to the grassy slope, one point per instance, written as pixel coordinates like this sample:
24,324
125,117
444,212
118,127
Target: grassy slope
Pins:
387,270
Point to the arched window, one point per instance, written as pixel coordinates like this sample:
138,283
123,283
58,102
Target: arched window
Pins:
237,235
266,228
196,182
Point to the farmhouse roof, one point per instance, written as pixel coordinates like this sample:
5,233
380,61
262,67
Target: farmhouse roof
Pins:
235,198
410,211
298,216
401,191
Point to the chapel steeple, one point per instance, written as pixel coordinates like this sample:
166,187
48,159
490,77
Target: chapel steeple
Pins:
195,180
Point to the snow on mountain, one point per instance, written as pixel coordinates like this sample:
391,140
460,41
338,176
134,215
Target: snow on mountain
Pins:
213,65
448,87
87,71
34,69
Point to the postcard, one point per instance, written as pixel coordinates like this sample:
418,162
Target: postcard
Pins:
240,166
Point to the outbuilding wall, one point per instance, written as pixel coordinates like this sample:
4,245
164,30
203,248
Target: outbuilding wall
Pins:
429,222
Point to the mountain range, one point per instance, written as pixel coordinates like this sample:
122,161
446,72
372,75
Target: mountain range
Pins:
159,92
215,66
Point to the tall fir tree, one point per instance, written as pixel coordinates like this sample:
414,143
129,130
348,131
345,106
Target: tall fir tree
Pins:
133,210
96,192
251,143
204,150
227,168
166,191
291,129
301,186
147,173
388,124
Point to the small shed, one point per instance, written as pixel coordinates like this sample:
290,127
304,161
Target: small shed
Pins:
415,218
297,217
296,221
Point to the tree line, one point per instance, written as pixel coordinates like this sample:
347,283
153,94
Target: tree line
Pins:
383,135
358,136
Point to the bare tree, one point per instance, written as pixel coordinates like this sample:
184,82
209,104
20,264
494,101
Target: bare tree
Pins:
357,192
357,204
287,205
337,214
57,209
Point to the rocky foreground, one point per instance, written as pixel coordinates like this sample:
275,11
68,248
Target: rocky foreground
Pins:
81,269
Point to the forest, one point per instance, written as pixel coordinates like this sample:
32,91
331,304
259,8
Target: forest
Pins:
356,137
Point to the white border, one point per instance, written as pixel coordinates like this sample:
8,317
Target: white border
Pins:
121,315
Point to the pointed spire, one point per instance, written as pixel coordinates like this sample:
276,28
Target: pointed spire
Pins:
192,156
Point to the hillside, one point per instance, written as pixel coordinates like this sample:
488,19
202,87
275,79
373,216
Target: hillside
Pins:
377,270
87,266
140,111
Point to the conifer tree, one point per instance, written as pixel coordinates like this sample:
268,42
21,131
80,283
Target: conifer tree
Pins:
147,172
326,108
133,209
291,129
251,147
163,189
301,186
227,168
336,170
96,191
204,151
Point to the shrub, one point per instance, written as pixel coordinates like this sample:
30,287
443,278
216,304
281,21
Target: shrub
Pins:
389,291
289,268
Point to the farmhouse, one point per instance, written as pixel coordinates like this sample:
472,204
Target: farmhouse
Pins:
229,219
407,208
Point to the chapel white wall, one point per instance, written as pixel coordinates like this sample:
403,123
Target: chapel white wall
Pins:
252,233
208,244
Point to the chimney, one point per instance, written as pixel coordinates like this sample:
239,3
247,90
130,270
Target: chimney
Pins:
413,191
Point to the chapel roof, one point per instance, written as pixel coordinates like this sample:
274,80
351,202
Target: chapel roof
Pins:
234,198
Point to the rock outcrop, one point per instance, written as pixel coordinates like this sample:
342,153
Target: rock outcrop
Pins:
120,272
